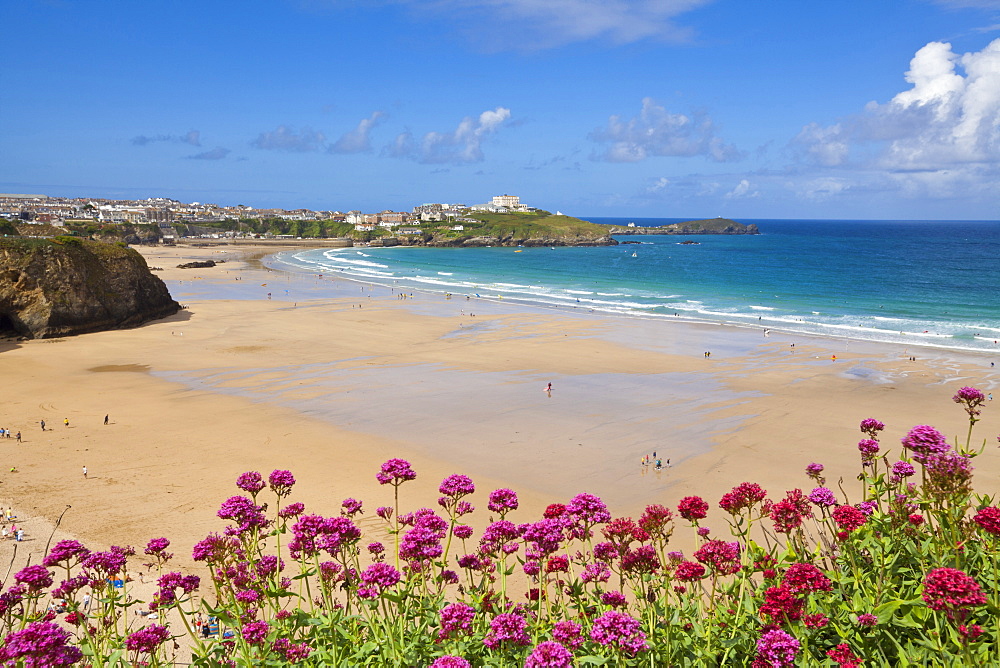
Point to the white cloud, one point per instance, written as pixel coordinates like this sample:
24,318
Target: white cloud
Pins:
192,137
285,138
658,185
358,139
217,153
657,132
461,146
548,23
742,189
946,119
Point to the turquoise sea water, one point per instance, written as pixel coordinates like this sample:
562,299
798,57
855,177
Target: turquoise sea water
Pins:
910,282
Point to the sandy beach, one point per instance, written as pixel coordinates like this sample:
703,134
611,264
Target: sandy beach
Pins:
328,378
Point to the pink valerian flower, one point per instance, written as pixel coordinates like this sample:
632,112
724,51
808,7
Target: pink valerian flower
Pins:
168,585
34,578
868,448
789,513
507,629
817,621
872,427
970,633
255,633
545,535
868,507
549,654
588,510
596,572
351,507
103,565
988,520
294,652
244,513
948,473
823,497
952,590
689,571
915,519
605,552
848,518
381,576
147,640
620,631
704,531
642,559
502,501
313,533
554,510
450,661
38,645
568,633
559,564
782,605
281,482
330,572
292,510
214,548
742,497
777,648
156,546
251,482
420,544
613,599
972,400
66,588
867,620
66,551
497,535
903,470
721,556
815,471
462,531
456,486
395,472
806,578
924,441
385,512
622,532
656,521
844,657
692,508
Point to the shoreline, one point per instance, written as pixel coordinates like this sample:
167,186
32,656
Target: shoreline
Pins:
329,391
734,321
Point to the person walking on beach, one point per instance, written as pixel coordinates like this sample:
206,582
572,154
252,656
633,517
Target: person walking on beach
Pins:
66,421
43,425
84,471
105,420
18,437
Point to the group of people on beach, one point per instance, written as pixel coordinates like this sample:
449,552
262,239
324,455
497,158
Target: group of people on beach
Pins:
655,461
6,433
12,531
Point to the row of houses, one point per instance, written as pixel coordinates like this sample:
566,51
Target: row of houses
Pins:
164,212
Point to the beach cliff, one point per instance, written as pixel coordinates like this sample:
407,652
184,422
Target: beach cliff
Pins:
62,286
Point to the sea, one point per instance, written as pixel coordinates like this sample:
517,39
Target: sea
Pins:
928,283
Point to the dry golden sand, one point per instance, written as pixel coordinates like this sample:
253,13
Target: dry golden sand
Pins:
346,388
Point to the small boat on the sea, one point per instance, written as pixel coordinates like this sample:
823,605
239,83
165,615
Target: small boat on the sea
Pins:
634,255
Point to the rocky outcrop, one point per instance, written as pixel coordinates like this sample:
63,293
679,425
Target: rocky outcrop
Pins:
708,226
62,286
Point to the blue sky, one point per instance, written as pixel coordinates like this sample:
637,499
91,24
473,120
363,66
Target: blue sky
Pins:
674,108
